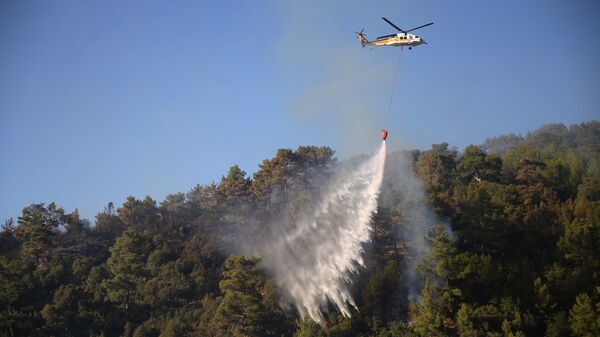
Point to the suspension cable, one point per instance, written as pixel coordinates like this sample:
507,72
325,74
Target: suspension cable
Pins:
394,87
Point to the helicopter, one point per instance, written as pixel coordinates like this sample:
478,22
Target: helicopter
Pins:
402,39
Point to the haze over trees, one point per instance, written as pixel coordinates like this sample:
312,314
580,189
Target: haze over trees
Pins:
523,258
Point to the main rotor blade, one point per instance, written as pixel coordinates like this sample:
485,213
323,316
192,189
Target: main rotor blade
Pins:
385,36
429,24
393,25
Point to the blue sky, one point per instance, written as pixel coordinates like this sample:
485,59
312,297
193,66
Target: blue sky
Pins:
104,99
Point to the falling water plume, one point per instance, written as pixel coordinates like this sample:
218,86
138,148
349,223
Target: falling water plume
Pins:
313,263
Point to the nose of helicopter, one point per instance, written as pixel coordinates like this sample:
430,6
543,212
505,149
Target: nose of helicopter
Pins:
423,41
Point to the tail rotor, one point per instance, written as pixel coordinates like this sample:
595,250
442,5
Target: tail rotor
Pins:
362,37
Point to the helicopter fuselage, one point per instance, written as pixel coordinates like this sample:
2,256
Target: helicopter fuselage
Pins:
399,40
402,39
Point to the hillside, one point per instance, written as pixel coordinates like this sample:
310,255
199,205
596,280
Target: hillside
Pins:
515,250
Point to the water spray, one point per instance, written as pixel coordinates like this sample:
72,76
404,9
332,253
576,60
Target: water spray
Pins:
313,264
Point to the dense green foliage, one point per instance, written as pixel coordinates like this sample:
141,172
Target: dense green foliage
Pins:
523,257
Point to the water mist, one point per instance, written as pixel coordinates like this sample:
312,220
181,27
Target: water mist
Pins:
312,264
405,195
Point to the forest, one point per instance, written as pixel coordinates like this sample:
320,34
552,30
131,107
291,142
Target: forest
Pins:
516,251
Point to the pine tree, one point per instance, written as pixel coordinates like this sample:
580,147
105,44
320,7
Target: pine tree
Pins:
126,266
584,318
241,311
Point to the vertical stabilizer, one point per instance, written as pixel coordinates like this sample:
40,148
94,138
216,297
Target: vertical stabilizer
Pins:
362,38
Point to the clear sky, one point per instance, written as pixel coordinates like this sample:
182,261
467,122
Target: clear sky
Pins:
104,99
